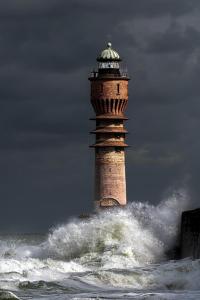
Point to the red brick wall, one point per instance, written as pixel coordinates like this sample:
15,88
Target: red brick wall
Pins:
110,179
107,89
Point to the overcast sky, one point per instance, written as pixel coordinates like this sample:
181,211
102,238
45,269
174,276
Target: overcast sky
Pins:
47,49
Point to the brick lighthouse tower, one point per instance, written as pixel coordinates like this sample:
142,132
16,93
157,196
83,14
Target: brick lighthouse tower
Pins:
109,98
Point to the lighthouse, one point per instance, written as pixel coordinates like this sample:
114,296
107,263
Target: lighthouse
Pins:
109,98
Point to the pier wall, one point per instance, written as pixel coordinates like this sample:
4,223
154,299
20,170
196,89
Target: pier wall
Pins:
190,234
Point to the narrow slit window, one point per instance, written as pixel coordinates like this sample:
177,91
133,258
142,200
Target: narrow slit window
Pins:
101,88
118,88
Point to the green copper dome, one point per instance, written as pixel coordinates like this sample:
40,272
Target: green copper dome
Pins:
109,54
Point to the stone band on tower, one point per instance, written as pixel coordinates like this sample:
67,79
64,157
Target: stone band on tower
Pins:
109,98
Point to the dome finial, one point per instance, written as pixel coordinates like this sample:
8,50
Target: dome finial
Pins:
109,54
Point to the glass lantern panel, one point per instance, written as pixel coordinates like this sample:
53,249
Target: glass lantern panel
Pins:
108,65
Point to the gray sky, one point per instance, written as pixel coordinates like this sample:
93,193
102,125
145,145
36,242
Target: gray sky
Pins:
47,49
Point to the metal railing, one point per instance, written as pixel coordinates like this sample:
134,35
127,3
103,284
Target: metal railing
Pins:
122,73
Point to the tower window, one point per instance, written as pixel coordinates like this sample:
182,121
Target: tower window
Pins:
117,123
118,92
117,136
117,149
101,88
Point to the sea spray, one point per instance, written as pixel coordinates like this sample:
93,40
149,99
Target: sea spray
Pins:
116,252
137,235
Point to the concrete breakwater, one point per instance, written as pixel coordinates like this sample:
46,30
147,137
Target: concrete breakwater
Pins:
190,234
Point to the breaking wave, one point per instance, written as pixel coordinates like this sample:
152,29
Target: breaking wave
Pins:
120,248
137,235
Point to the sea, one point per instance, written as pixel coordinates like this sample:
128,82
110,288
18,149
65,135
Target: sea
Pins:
115,254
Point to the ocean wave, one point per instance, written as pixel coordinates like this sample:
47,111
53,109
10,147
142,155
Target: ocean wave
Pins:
6,295
137,235
119,249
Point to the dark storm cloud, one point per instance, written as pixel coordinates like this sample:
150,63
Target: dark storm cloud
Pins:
47,49
175,39
136,8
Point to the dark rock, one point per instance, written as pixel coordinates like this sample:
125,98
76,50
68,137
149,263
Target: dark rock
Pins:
190,234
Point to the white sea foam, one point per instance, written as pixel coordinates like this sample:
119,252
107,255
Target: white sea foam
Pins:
134,236
119,248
